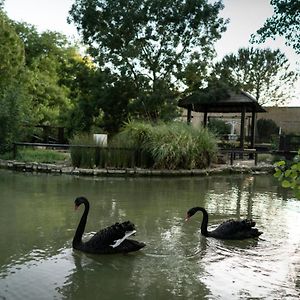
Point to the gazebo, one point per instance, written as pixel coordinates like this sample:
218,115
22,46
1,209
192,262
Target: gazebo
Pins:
221,101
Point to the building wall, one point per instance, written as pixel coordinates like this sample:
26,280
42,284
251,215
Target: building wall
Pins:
288,118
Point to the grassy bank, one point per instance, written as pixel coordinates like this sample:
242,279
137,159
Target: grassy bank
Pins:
38,155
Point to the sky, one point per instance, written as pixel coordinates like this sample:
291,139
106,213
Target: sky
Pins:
246,16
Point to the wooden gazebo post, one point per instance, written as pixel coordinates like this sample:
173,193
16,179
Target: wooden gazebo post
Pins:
242,131
205,119
253,121
189,115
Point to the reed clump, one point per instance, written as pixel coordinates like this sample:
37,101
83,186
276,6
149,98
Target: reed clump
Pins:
173,145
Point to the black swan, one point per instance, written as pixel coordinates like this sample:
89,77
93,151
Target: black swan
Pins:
228,230
109,240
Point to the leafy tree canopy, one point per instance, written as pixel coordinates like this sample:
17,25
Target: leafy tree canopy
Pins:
196,73
51,81
12,104
264,73
284,22
45,56
11,50
42,44
149,41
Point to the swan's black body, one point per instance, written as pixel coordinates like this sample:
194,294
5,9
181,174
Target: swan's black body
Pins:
102,242
229,230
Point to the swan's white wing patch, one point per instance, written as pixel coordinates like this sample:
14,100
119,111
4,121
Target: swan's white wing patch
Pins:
119,241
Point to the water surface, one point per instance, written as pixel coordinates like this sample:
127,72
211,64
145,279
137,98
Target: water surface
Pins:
37,224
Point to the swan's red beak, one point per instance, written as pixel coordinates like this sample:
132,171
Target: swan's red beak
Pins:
76,206
186,218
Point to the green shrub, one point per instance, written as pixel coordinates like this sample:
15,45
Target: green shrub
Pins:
267,158
219,127
266,129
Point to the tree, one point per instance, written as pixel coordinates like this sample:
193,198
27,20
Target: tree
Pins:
148,41
196,73
66,88
49,99
11,51
11,68
284,22
42,44
86,85
48,56
262,72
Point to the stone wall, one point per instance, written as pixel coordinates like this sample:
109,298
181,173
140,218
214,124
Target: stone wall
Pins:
245,167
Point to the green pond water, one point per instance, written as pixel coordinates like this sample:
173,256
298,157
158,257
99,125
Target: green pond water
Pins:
38,221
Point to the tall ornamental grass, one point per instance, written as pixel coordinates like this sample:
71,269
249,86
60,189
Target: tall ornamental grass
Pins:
171,145
135,136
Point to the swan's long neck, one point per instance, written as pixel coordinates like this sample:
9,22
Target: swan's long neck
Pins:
81,226
204,221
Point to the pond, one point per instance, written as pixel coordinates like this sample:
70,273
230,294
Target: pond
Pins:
38,221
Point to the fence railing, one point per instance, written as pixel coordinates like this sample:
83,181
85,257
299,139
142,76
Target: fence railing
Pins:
134,157
289,142
234,154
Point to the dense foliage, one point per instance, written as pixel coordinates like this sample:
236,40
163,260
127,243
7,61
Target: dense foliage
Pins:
40,83
12,102
284,22
46,57
289,174
149,42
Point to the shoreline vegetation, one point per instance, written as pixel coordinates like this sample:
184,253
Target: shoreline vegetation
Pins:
140,149
246,167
